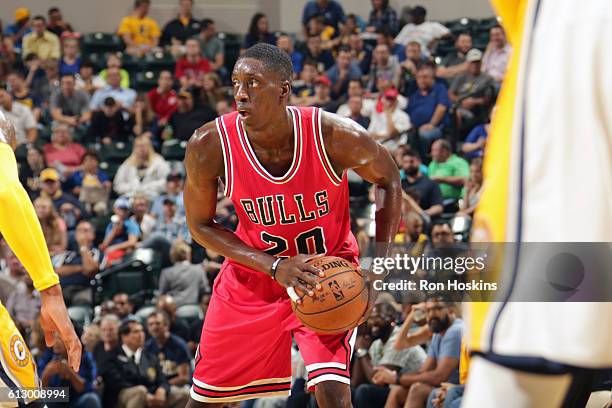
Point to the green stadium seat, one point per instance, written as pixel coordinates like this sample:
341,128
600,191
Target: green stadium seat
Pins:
174,150
190,313
145,81
98,59
118,151
110,168
158,61
80,315
100,42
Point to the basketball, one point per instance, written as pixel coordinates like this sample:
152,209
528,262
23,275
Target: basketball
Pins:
341,303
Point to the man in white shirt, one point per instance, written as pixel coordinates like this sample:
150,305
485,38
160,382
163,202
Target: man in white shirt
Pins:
22,118
389,126
425,32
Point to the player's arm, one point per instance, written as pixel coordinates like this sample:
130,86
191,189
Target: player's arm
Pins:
204,165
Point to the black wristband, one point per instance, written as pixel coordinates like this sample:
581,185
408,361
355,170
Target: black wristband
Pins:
275,267
398,376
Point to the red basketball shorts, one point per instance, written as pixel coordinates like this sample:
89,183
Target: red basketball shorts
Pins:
245,346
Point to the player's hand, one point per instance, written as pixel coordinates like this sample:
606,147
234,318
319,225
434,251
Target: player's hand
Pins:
54,319
383,376
295,272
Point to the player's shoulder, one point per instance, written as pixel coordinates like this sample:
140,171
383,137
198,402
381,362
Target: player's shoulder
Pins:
342,135
204,151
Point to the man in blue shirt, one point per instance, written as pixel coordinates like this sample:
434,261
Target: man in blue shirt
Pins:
441,365
345,70
428,106
19,28
122,233
331,10
55,372
124,96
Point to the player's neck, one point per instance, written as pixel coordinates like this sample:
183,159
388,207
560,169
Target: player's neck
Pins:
273,134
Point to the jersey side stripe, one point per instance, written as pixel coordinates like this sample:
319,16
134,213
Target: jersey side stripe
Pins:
227,157
318,136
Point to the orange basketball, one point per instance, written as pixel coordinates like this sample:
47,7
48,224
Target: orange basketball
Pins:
341,303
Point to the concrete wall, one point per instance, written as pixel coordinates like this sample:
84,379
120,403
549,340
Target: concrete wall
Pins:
231,15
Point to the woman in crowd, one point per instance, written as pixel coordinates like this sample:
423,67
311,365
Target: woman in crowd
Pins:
473,188
53,226
382,16
258,32
144,171
29,174
212,91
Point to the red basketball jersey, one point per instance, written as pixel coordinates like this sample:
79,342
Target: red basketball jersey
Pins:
305,211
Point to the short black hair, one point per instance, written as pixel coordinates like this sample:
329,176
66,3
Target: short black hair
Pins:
440,223
207,22
67,74
126,327
138,3
272,58
52,10
39,17
87,64
93,154
412,153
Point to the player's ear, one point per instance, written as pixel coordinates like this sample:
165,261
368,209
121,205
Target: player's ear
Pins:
285,89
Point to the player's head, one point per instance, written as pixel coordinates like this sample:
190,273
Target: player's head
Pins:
131,334
261,83
382,320
440,313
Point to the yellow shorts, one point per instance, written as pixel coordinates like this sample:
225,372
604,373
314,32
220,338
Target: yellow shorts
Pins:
17,370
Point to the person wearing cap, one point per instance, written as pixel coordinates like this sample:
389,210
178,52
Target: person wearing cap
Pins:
322,98
174,191
41,41
26,128
472,92
389,125
345,70
188,117
122,233
425,32
65,203
19,28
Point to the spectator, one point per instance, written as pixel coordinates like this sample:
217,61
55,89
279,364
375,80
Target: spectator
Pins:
472,91
211,92
454,63
183,281
139,32
125,97
183,27
121,234
172,351
428,194
381,353
7,55
168,229
57,25
223,107
50,82
382,16
497,54
22,94
191,68
123,306
141,216
389,124
413,233
62,153
63,202
144,117
12,272
349,27
355,88
447,169
285,43
29,173
70,106
412,61
342,72
475,141
315,52
108,125
53,226
428,106
143,172
55,372
114,61
188,117
258,32
91,184
22,118
442,364
23,304
70,61
322,98
213,49
86,80
40,41
109,340
355,106
195,330
303,89
178,326
16,31
472,188
162,99
90,337
424,32
362,52
331,11
384,62
386,36
174,191
77,267
133,376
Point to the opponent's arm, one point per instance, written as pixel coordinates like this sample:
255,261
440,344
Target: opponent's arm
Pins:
204,165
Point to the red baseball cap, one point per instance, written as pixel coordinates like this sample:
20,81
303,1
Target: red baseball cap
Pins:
323,79
391,93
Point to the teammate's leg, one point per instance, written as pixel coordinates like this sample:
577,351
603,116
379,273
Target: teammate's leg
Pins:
333,394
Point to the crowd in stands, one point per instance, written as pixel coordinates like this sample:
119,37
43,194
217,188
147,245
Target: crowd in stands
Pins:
102,120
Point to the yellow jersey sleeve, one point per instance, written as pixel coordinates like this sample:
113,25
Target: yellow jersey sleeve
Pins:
19,225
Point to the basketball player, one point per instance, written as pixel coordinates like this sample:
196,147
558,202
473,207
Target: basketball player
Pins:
548,178
20,228
284,168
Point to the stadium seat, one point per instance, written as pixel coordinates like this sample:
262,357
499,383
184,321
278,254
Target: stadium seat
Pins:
145,81
80,315
159,61
100,43
144,312
110,168
98,59
189,312
174,150
232,48
118,151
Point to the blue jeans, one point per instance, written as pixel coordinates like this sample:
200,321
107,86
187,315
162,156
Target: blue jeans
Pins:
451,400
428,136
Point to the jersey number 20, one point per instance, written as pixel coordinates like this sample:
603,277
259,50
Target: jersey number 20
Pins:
309,242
